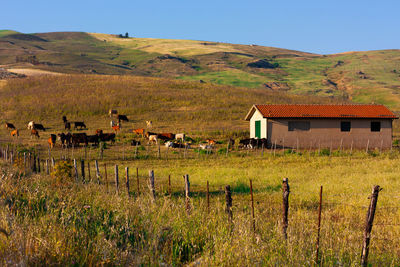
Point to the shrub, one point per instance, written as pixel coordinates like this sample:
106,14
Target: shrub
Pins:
63,172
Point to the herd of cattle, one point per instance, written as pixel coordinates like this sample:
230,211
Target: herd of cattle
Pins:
170,139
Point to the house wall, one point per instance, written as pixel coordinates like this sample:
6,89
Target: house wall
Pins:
257,116
325,133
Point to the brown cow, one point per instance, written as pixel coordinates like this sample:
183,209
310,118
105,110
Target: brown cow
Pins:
78,138
139,131
10,126
99,132
52,140
35,132
211,142
166,136
15,133
107,137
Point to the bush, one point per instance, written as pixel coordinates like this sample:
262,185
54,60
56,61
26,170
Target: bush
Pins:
63,172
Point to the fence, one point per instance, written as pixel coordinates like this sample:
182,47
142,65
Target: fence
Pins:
30,162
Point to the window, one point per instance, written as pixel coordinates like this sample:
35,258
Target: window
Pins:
375,126
298,126
345,126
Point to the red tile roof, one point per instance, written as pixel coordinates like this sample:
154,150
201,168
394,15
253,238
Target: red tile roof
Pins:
324,111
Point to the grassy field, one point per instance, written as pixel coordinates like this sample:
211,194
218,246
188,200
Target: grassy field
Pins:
54,220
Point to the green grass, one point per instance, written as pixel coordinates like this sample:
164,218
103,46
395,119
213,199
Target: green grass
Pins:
7,32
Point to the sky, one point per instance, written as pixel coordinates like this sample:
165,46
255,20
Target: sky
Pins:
317,26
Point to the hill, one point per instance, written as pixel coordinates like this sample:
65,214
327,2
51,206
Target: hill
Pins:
362,77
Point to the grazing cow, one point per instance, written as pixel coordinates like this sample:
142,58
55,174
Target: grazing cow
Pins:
30,125
64,118
52,140
140,131
170,144
10,126
166,136
35,132
78,138
65,139
180,136
38,126
147,134
112,112
107,137
153,138
67,125
116,128
122,118
149,124
93,139
15,133
135,143
99,132
79,124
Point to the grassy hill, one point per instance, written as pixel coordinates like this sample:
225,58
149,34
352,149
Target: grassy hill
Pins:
362,77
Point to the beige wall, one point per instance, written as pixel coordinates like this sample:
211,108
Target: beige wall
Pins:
258,117
326,133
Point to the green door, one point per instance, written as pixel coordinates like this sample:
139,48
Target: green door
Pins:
258,129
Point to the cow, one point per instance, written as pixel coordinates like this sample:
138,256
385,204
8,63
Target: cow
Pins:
15,133
38,126
135,143
30,125
78,138
67,125
35,133
153,138
99,132
149,124
93,139
180,136
166,136
64,118
122,118
147,134
10,126
79,124
107,137
52,140
116,128
140,131
112,112
65,139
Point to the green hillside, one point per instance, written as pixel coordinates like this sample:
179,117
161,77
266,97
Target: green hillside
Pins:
362,77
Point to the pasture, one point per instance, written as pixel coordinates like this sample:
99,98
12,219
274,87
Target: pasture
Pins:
56,219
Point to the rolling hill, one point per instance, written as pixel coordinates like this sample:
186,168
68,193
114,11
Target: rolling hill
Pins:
362,77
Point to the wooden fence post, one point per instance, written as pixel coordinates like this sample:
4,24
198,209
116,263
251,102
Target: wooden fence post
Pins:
96,164
76,171
285,194
105,176
368,225
127,179
137,180
187,192
88,168
83,170
47,166
116,179
151,185
38,164
228,200
366,150
34,163
252,206
208,198
319,226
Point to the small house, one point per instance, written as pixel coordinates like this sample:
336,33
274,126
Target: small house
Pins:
322,126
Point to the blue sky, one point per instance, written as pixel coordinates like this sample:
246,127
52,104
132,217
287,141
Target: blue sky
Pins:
323,26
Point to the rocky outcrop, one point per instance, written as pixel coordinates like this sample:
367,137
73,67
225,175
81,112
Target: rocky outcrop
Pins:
277,86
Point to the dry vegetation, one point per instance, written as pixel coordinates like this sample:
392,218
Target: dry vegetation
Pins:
53,220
